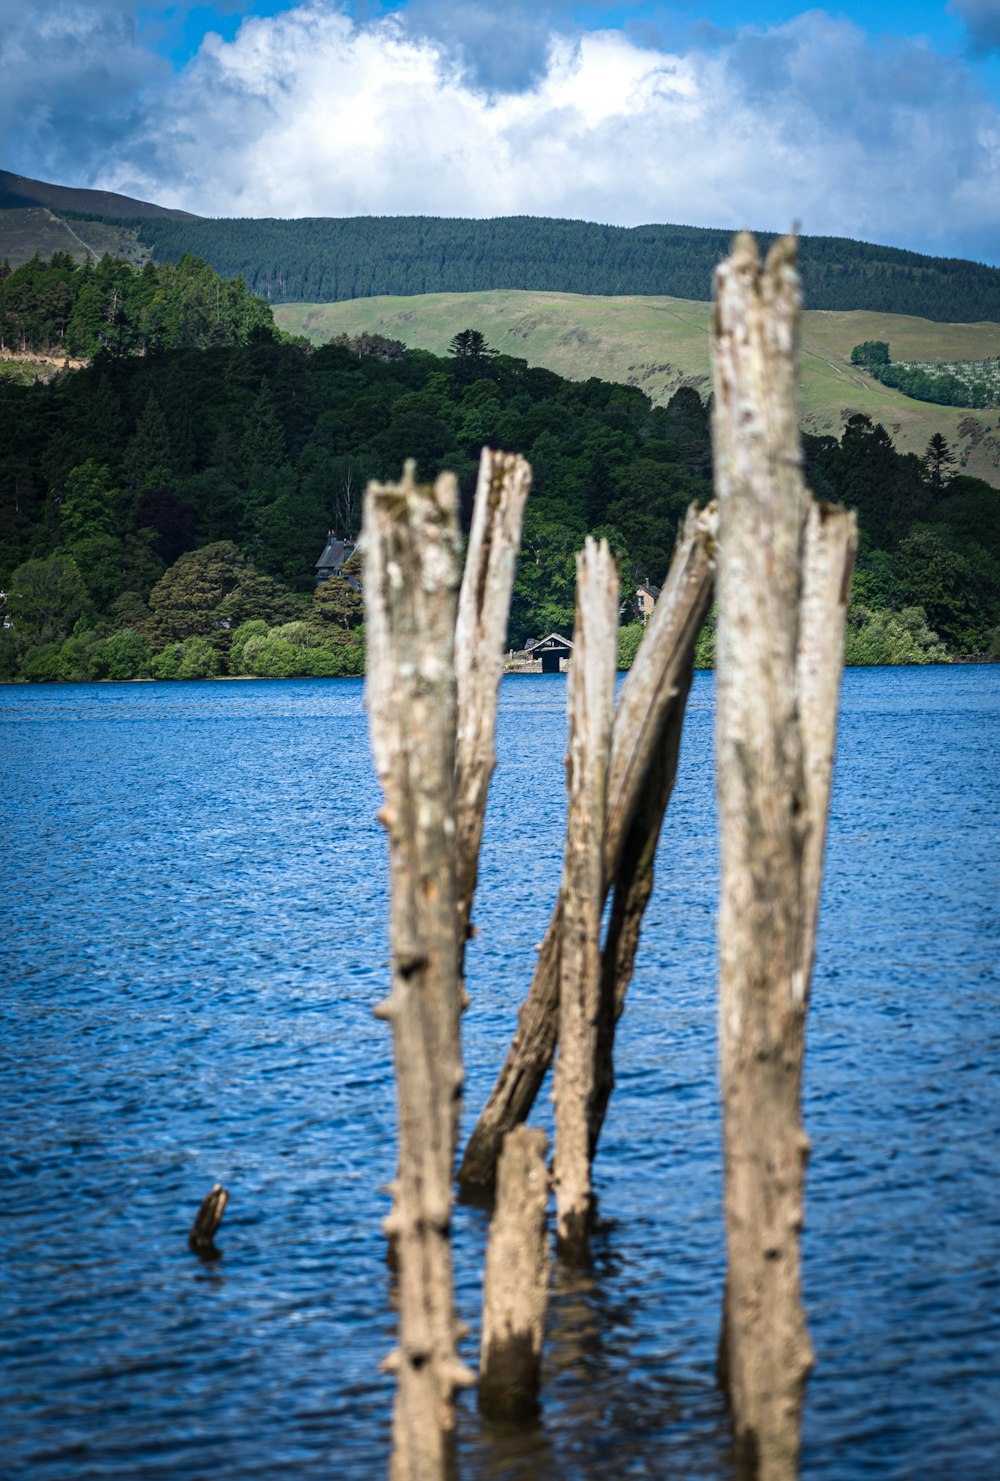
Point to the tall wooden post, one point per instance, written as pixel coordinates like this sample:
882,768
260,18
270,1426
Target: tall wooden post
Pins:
412,554
590,705
771,816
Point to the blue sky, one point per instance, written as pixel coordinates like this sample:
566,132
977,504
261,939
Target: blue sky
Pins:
181,28
873,121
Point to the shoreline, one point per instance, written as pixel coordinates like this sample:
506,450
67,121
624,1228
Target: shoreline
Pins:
511,673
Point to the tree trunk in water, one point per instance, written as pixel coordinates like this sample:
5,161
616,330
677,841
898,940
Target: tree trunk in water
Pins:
516,1279
412,554
591,693
645,711
480,641
768,820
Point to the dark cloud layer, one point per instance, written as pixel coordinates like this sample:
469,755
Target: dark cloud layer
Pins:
76,79
499,49
982,18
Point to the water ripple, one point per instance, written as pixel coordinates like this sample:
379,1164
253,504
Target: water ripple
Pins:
194,934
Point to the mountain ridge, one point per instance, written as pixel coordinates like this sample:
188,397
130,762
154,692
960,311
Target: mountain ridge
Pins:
21,191
335,259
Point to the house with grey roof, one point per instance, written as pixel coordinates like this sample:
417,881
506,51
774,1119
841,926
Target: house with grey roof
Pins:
336,554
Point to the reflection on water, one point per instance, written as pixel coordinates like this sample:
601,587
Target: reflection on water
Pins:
194,933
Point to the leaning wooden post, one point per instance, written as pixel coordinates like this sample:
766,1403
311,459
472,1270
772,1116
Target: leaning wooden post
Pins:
412,554
516,1280
633,886
769,816
480,642
828,563
591,693
647,709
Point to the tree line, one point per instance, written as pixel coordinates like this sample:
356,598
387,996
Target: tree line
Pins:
163,514
326,259
974,383
82,308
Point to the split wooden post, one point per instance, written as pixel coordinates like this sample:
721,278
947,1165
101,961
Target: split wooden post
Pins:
591,697
647,709
480,642
516,1280
412,571
770,673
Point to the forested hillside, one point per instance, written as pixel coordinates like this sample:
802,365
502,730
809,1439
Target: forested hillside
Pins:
325,259
162,513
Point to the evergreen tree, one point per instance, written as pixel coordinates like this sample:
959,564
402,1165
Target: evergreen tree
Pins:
91,503
147,453
937,460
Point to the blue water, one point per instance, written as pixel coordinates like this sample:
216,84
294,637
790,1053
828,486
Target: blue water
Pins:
193,936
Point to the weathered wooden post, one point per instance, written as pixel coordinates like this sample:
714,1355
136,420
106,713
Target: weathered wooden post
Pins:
591,692
516,1280
412,572
480,641
650,711
779,648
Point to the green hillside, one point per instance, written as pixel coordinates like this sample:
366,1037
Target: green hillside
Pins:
659,344
327,259
38,219
36,231
335,259
162,512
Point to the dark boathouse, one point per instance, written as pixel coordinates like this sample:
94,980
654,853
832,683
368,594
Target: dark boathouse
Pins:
551,650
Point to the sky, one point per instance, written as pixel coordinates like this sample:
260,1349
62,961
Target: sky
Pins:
873,121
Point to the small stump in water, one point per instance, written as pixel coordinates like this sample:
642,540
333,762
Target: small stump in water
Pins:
202,1237
515,1287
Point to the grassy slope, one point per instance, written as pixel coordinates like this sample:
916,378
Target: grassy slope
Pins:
37,229
661,343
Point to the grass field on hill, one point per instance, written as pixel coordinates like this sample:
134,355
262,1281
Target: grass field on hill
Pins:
659,344
34,230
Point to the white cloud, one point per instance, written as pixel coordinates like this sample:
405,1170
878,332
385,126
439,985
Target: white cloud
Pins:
309,113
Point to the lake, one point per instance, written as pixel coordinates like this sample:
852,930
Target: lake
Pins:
194,935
